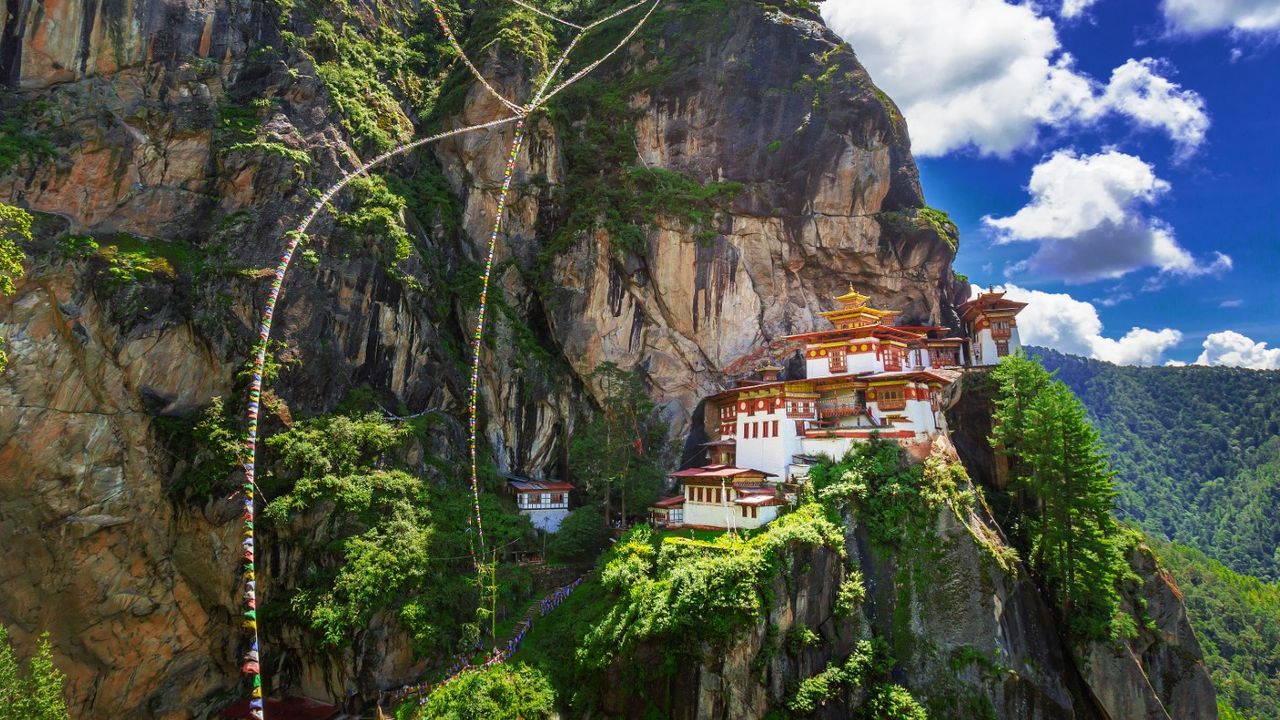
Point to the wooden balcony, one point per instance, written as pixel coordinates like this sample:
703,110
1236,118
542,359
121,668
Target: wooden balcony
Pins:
838,409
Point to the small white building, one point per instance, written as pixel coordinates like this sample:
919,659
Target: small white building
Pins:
544,502
992,326
728,497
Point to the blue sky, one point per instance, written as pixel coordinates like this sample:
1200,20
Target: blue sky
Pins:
1115,162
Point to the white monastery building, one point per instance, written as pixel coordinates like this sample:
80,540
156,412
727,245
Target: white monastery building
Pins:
866,377
544,502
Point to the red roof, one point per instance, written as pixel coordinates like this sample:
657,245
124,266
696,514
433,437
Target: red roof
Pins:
532,486
718,471
670,502
988,301
293,708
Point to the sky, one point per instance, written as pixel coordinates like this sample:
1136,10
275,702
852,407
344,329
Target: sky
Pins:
1116,163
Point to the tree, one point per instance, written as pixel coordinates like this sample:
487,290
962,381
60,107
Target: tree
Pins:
503,692
582,534
15,227
622,449
1060,471
38,694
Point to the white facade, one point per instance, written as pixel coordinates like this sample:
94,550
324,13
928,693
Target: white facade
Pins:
720,509
766,440
986,350
542,510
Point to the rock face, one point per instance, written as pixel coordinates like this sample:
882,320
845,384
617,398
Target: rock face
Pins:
134,97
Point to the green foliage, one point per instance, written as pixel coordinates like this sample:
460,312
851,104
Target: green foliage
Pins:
773,147
800,638
1237,621
687,592
867,667
272,147
604,190
390,541
377,216
581,536
851,594
1196,452
940,221
1063,494
35,694
210,447
896,498
376,76
509,691
17,143
622,450
15,228
77,247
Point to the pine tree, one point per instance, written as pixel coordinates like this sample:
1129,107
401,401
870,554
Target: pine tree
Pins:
621,451
1061,471
38,694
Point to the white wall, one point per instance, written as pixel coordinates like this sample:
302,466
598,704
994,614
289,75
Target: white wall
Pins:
864,361
713,514
548,520
770,454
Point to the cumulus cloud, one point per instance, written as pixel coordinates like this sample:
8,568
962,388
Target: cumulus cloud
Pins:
1242,16
1231,348
992,75
1061,322
1087,214
1074,8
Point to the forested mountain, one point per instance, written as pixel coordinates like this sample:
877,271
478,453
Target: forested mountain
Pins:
1237,620
1196,450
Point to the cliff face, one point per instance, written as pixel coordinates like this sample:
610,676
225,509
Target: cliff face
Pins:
134,99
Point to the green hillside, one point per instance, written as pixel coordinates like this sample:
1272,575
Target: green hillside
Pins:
1237,619
1196,449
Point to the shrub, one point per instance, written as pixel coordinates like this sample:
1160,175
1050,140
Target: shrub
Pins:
581,536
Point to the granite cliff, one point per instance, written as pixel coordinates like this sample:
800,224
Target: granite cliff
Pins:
701,196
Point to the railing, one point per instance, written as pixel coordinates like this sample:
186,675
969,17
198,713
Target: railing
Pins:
837,409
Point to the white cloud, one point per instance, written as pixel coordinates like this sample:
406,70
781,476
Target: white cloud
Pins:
1230,303
1061,322
1086,213
1141,93
1074,8
1242,16
1174,363
992,75
1231,348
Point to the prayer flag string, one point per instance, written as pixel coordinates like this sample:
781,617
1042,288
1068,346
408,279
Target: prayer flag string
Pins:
252,663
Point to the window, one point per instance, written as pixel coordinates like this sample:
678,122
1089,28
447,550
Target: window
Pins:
557,498
753,511
744,511
1002,348
890,399
717,496
775,428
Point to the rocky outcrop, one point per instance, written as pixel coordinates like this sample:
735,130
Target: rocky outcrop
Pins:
969,634
134,590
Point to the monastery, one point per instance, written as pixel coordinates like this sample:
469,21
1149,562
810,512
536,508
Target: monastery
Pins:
866,376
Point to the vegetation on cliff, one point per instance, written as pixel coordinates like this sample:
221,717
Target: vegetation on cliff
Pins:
1058,509
15,228
35,694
